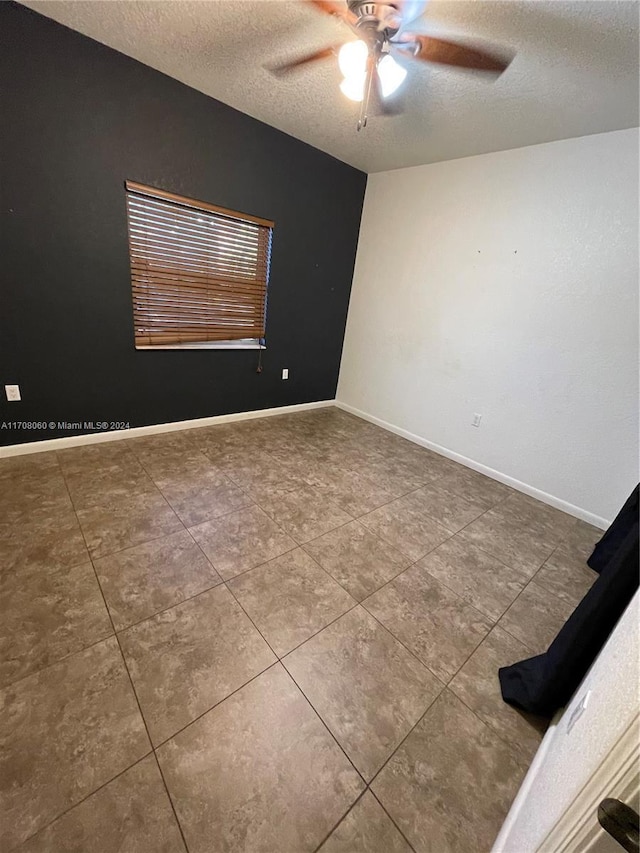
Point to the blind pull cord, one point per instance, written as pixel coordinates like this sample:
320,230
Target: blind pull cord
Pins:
259,367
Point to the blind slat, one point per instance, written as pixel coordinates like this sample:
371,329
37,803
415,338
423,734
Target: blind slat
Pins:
156,194
198,273
197,225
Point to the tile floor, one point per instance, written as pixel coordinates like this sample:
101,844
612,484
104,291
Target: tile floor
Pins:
280,635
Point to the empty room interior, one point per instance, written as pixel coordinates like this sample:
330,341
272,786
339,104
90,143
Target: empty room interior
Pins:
319,426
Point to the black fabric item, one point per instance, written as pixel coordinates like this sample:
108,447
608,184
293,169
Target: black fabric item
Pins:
542,684
606,548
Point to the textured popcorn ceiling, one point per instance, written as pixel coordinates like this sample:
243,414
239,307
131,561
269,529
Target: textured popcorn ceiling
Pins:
575,73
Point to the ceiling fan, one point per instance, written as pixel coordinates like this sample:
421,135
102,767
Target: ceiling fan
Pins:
369,65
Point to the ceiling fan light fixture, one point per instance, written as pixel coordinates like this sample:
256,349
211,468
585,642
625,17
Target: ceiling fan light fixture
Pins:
352,59
391,74
353,87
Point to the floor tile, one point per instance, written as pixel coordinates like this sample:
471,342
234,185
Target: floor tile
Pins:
99,472
114,525
64,732
250,763
432,621
197,490
528,511
302,467
29,464
353,492
257,473
366,829
450,785
477,685
51,542
103,456
535,617
143,580
446,507
95,488
418,463
474,486
32,492
259,772
196,500
216,441
187,659
405,525
170,462
305,514
476,576
369,690
581,539
566,575
358,559
521,547
398,475
132,814
241,540
162,442
46,615
290,598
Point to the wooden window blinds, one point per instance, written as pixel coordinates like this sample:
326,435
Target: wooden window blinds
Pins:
199,273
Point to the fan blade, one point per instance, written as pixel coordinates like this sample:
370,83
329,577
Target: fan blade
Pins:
338,10
430,49
295,64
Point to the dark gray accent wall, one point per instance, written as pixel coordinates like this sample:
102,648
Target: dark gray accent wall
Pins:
77,120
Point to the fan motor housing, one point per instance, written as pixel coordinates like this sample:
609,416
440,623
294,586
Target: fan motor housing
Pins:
381,17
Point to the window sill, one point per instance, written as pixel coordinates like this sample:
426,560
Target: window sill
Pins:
226,345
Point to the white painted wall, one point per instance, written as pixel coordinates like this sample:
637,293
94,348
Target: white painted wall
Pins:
507,284
567,760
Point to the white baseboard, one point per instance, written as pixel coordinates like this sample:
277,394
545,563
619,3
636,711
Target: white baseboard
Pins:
118,435
525,488
136,432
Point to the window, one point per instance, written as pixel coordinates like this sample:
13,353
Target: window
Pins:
199,273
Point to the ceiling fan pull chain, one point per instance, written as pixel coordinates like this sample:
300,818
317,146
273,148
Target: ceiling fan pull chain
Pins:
364,109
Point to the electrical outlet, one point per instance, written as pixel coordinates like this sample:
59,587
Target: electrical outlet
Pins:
285,372
13,393
476,420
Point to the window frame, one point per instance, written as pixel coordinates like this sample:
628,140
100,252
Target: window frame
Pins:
207,207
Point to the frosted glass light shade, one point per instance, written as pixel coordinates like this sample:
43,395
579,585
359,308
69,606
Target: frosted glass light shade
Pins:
352,59
353,87
391,75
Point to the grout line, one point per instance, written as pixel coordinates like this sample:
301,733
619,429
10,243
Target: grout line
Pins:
331,734
57,661
83,800
363,603
497,731
388,814
320,630
337,824
162,743
408,734
153,748
171,803
407,648
225,582
133,688
150,616
129,547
